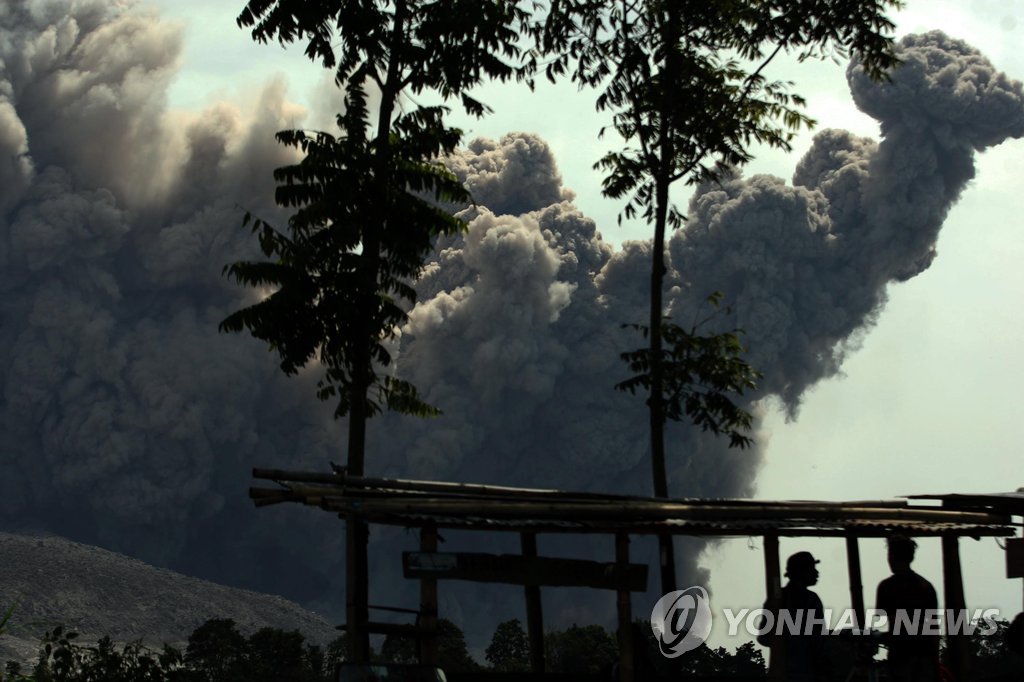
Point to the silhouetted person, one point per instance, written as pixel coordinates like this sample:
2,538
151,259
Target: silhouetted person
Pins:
909,603
1015,636
797,635
1010,666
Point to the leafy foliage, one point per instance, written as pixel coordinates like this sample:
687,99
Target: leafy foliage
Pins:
448,46
746,661
684,83
704,661
587,649
991,646
452,652
271,654
509,650
216,652
700,373
279,655
679,77
318,283
338,276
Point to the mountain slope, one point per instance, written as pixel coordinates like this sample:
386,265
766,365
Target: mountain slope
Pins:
94,592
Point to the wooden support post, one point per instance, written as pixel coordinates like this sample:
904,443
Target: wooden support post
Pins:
625,609
357,610
953,588
534,609
428,603
773,589
856,584
667,561
772,572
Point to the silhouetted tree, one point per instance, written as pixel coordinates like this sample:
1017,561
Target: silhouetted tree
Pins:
509,650
399,649
216,651
684,82
277,656
588,649
338,650
748,660
452,652
62,659
339,274
991,656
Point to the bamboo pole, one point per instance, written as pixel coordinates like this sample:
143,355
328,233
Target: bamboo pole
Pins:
625,612
856,584
953,589
653,510
304,476
723,530
353,484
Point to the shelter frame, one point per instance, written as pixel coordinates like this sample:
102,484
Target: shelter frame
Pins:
433,505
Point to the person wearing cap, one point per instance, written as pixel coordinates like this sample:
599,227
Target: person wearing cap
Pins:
796,637
907,600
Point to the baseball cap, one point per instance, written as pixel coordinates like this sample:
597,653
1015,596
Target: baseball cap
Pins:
800,560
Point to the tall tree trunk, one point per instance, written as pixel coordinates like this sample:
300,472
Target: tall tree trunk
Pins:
656,400
662,179
357,532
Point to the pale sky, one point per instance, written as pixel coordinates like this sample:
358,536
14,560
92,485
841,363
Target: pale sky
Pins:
929,404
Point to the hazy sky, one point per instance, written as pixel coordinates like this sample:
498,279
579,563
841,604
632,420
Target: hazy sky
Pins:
929,404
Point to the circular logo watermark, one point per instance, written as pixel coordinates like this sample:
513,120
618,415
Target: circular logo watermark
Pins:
681,621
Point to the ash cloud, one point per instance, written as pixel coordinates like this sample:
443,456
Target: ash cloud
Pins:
805,268
127,420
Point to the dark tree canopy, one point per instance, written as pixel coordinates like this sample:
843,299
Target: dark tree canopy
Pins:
701,373
509,650
317,279
685,81
685,85
447,46
217,652
581,649
452,652
363,222
339,275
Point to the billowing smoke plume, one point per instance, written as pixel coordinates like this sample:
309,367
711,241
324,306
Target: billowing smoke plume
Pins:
126,419
517,333
807,266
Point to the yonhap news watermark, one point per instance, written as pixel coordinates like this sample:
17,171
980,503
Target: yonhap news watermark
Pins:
910,622
682,621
